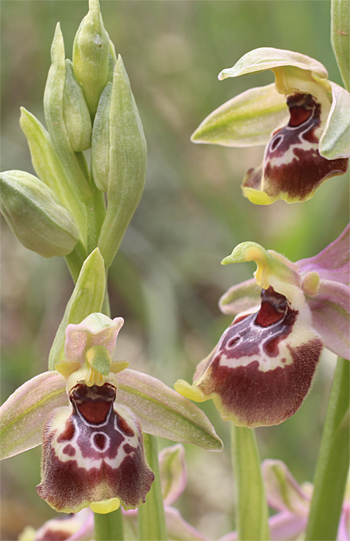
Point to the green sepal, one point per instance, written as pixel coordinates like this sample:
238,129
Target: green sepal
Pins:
24,412
335,140
36,216
87,297
340,24
49,168
75,112
268,58
127,164
53,108
100,359
246,120
91,55
163,412
100,141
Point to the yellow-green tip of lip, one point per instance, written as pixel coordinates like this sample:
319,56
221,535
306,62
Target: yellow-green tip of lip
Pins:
190,391
258,197
106,506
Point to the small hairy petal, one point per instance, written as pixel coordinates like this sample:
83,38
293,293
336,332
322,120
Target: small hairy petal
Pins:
293,168
93,452
263,366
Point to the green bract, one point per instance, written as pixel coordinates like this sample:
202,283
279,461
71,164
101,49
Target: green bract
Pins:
49,168
86,298
340,37
35,215
75,112
100,141
91,55
74,163
118,125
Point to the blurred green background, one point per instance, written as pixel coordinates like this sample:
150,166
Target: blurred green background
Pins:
166,279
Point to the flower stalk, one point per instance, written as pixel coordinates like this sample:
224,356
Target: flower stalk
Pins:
333,461
251,506
151,517
109,527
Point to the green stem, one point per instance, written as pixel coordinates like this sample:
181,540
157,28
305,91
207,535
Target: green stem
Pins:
150,516
333,461
75,260
251,506
109,527
106,307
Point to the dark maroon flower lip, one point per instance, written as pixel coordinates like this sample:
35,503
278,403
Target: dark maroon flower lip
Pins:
93,451
264,364
292,162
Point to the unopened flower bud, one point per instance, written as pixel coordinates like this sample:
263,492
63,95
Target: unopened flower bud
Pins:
91,55
75,112
100,141
121,171
35,215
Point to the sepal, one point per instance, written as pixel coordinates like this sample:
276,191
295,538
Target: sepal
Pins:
268,58
246,120
163,412
335,139
36,216
24,412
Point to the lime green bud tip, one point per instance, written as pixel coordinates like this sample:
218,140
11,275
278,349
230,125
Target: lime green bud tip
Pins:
91,51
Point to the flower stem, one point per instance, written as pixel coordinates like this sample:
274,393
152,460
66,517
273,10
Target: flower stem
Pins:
333,460
251,506
150,516
109,527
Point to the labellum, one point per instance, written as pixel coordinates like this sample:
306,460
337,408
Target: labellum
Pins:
92,452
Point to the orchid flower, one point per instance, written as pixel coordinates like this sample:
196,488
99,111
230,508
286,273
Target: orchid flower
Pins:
263,366
303,119
93,452
292,502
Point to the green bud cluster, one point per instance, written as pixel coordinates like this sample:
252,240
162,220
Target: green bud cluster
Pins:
88,104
